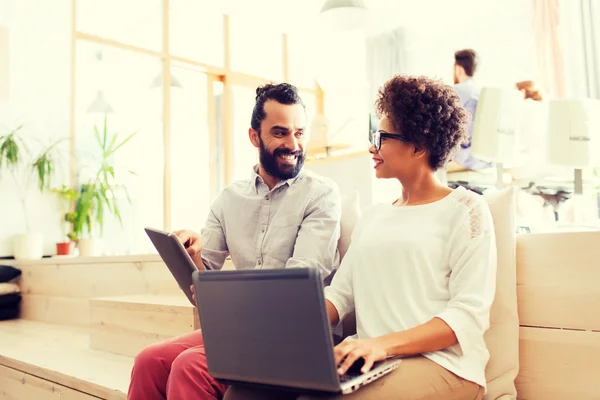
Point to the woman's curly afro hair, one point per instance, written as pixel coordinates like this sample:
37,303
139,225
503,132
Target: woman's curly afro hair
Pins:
428,112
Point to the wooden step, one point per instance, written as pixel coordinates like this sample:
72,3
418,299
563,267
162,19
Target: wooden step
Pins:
46,361
126,324
58,290
16,384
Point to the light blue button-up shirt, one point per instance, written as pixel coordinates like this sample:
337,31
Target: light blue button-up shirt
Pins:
296,224
469,96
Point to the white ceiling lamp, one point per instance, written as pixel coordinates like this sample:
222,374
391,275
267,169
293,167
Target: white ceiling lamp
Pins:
158,81
344,15
100,105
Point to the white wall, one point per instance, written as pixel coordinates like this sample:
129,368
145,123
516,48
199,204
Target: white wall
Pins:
39,68
501,34
500,31
355,173
573,48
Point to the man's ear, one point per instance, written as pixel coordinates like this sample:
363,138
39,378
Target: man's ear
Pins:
254,137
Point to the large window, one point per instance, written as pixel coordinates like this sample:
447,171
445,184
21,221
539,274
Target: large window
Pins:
115,86
135,22
190,157
35,68
186,84
255,50
196,32
244,152
303,58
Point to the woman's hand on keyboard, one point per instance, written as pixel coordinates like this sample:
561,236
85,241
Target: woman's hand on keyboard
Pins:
350,350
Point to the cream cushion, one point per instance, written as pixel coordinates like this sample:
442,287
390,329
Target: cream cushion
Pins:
502,338
9,288
350,216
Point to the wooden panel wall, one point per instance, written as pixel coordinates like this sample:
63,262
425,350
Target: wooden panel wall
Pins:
558,282
59,292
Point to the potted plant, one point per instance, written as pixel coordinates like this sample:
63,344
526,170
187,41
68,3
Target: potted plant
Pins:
99,195
67,197
27,168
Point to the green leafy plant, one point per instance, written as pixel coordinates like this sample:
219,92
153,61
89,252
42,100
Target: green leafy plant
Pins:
67,197
26,166
99,195
11,149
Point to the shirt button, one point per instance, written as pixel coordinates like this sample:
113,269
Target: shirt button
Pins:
267,197
262,230
259,262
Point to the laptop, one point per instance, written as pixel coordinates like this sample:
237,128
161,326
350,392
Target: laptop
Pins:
270,328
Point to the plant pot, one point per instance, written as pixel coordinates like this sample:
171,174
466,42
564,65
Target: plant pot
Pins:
28,246
64,248
88,247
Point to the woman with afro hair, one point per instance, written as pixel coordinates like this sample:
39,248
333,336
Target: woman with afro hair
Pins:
420,272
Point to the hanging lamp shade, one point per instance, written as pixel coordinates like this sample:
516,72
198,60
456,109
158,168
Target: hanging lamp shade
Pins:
344,14
100,105
157,82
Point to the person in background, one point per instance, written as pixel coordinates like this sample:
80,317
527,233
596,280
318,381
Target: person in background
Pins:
530,133
534,212
420,272
465,66
280,217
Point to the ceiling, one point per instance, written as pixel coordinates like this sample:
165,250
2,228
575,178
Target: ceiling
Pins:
301,15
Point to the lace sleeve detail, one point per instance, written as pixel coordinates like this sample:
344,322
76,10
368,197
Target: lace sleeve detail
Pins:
476,219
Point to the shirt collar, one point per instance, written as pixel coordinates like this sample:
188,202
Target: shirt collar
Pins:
257,180
469,82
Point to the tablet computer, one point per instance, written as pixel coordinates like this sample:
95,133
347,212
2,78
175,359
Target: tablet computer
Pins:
175,257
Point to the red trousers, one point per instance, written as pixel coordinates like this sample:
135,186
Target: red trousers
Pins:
174,369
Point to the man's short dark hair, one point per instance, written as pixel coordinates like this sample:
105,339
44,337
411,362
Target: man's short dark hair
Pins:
283,93
467,59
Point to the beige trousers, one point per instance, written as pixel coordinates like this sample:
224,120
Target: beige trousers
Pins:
417,378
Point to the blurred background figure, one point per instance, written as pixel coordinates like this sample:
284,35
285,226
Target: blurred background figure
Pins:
465,66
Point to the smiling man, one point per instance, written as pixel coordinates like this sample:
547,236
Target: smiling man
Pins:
281,217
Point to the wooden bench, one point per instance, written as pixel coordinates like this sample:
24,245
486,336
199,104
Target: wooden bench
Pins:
49,352
44,361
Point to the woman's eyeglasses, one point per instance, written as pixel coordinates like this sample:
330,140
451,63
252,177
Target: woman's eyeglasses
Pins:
378,135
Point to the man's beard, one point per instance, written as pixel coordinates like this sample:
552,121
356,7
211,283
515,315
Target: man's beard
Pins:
278,170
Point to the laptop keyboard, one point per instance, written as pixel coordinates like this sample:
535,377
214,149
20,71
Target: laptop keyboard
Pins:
348,376
354,371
